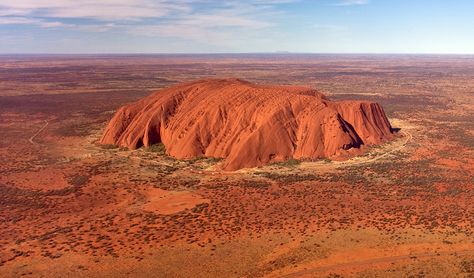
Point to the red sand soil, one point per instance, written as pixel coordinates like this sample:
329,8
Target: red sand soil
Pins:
247,124
403,209
44,179
169,202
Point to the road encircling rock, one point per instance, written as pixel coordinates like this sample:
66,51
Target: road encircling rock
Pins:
247,124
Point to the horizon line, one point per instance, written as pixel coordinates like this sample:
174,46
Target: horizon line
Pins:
235,53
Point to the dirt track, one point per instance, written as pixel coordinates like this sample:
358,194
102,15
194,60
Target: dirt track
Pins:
46,123
359,160
362,263
363,160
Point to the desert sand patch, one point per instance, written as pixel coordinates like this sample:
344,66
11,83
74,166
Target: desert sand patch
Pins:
45,179
169,202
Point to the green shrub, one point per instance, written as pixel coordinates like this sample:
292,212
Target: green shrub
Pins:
157,148
205,159
108,146
288,163
78,180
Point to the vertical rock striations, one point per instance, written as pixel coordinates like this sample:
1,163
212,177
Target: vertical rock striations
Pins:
247,124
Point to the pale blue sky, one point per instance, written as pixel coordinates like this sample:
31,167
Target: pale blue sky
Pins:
187,26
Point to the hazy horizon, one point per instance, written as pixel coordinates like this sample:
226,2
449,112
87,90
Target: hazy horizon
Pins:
231,53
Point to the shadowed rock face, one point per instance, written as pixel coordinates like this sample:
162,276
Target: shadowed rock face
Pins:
247,124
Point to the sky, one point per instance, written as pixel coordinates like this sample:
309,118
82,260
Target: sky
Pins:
220,26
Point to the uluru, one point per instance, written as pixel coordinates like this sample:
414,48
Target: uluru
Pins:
247,124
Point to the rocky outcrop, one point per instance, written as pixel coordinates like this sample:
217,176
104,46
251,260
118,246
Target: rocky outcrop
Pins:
247,124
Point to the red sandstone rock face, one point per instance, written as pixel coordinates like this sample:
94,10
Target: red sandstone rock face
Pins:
247,124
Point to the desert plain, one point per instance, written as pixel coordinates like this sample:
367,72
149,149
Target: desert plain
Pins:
71,207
